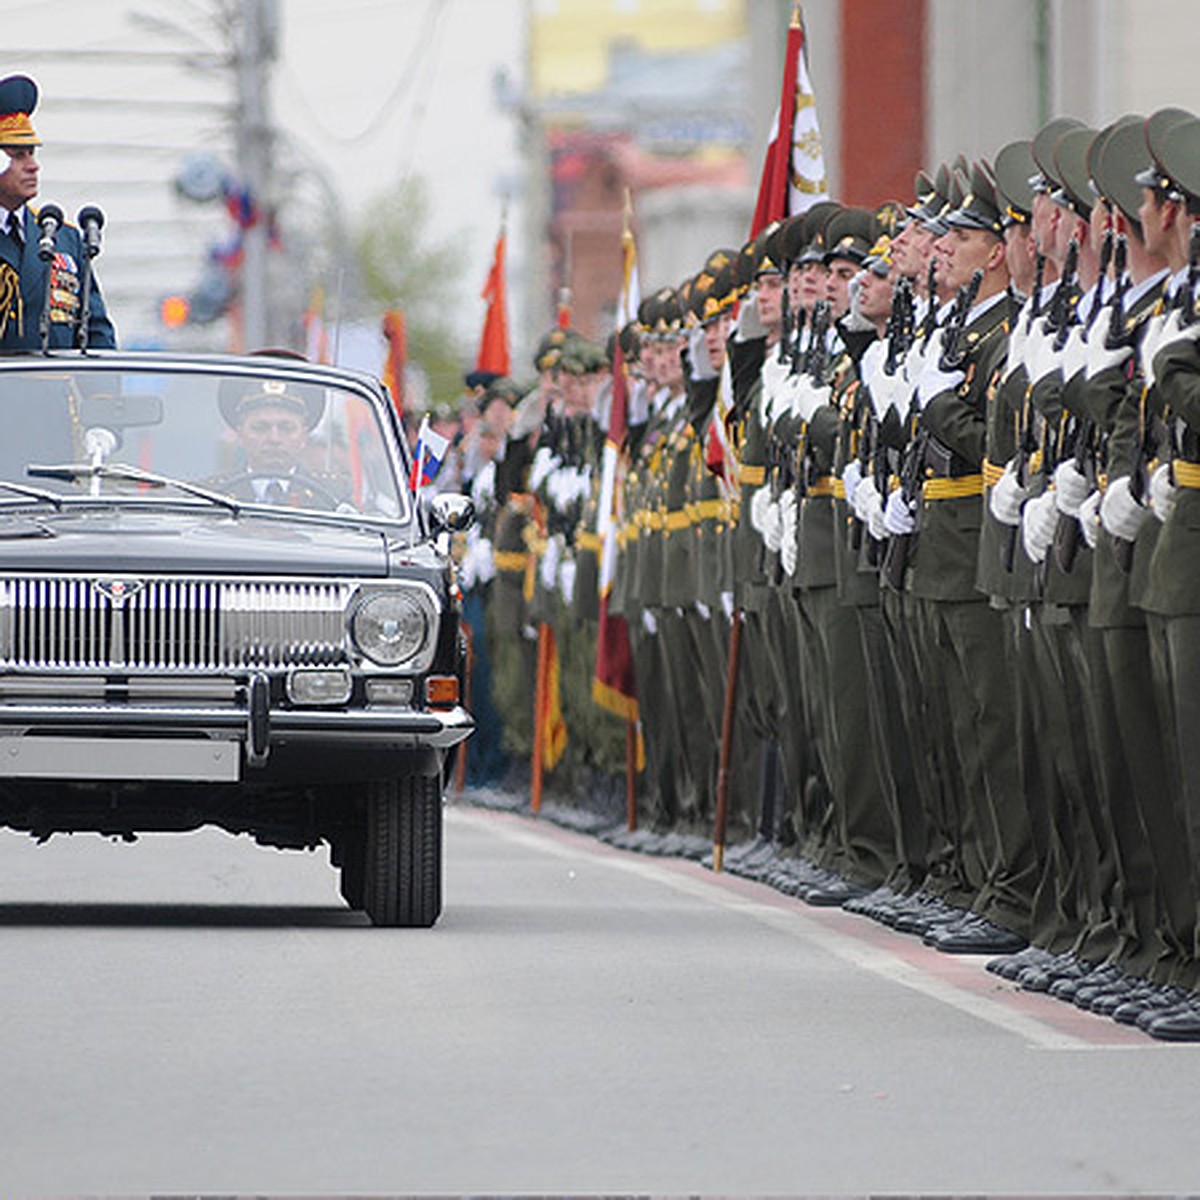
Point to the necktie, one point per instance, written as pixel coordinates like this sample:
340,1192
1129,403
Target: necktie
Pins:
14,230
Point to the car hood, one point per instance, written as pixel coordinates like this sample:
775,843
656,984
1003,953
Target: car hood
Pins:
111,539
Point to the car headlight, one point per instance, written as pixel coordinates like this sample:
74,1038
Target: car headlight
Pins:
396,628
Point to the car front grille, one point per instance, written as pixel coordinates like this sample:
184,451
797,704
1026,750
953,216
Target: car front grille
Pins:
169,624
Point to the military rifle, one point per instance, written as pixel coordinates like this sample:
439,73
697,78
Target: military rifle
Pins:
816,359
1107,258
1139,474
1025,440
797,358
954,349
1064,315
895,557
1117,334
1067,533
899,332
1066,299
1187,299
1035,301
931,313
785,320
895,561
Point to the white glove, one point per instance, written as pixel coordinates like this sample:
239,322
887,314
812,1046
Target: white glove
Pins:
748,327
808,397
478,564
1031,345
758,509
550,561
1176,333
898,518
1016,345
787,507
704,611
1007,497
1089,519
1120,513
862,496
649,624
896,393
566,579
1071,488
1099,356
874,515
727,605
1152,337
914,360
1039,519
1163,492
870,367
851,478
1074,355
788,547
933,381
1041,358
772,527
702,367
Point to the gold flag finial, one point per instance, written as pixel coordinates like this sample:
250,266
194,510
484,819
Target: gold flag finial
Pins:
797,19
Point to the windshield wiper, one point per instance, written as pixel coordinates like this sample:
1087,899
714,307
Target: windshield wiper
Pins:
77,471
34,493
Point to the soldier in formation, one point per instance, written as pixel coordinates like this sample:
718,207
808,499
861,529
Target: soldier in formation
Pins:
937,465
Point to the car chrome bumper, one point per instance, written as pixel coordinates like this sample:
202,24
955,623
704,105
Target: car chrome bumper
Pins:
31,734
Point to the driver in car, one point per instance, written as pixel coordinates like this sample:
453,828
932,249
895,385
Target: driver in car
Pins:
273,423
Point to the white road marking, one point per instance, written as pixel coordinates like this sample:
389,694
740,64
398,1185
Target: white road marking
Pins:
796,923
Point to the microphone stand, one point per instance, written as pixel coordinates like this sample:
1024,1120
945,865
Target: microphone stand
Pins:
49,221
91,247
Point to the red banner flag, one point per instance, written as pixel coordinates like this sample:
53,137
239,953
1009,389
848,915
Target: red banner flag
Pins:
614,687
493,355
397,356
793,176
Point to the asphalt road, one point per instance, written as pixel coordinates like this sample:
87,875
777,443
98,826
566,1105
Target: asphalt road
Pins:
195,1014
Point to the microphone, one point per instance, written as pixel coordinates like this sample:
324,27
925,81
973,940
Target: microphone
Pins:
91,221
49,220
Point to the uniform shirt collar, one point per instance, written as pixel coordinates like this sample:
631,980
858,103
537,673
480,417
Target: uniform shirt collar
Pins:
1138,290
985,306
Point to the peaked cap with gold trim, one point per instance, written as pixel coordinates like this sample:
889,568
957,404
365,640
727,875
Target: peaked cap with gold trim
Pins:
1013,168
18,99
979,208
237,399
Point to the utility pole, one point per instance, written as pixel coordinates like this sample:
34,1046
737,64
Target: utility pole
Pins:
257,47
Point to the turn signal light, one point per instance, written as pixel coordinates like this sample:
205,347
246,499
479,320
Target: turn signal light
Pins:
441,691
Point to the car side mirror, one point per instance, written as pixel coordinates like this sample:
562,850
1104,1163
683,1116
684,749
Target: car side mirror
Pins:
451,512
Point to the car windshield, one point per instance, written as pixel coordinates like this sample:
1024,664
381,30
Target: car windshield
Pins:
255,439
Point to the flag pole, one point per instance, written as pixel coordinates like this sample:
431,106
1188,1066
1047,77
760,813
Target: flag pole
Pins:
630,774
630,724
460,763
727,715
539,717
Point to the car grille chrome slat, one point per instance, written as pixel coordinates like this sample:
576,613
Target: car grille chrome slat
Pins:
170,624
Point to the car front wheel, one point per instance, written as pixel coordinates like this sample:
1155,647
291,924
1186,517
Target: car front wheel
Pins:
404,851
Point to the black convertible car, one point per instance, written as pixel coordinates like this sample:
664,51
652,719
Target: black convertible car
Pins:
221,604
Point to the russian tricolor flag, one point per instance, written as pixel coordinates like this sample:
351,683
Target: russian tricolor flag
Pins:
427,457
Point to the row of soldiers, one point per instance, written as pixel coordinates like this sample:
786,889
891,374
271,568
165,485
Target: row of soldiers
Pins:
907,544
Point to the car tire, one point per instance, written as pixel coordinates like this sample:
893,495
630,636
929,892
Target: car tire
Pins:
403,857
352,877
